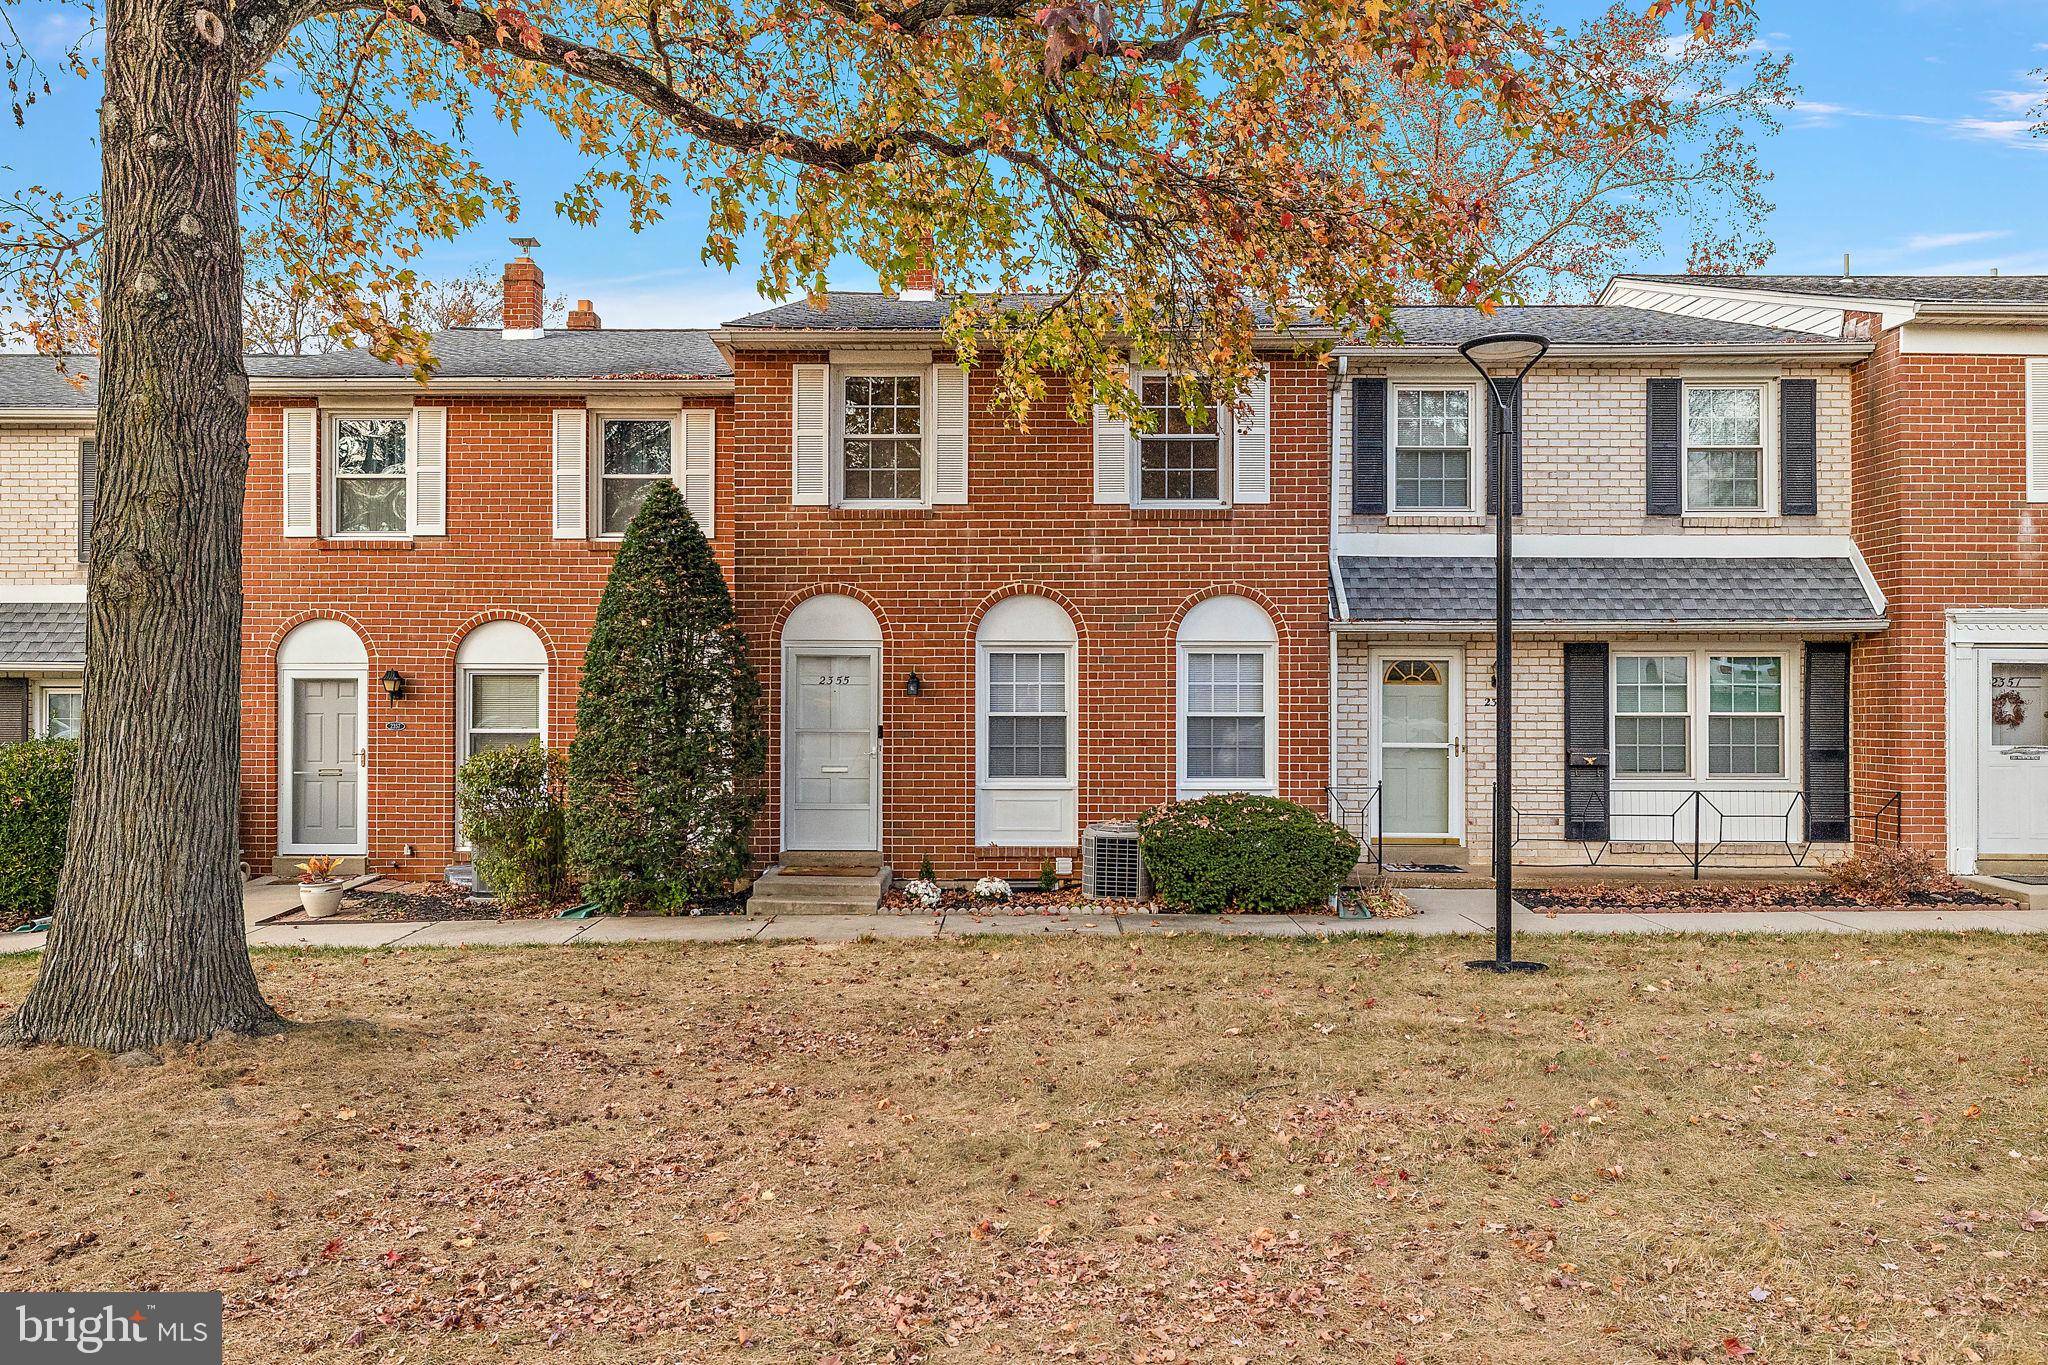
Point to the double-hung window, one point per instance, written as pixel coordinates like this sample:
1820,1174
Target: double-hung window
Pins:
634,454
368,474
1724,448
1027,715
503,711
62,713
1226,717
1180,459
1671,708
881,438
1433,443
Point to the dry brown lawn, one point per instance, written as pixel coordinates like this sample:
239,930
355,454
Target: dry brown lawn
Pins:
1077,1148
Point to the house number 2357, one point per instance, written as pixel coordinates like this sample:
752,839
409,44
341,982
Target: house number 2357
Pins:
834,679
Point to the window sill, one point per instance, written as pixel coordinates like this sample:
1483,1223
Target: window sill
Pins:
1164,513
371,544
856,512
1707,520
1437,520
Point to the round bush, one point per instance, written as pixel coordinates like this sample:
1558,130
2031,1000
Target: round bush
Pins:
1244,853
511,801
35,808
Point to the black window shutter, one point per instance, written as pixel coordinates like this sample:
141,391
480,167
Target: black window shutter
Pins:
1369,447
88,492
1662,453
1495,425
1585,741
1798,448
13,710
1827,742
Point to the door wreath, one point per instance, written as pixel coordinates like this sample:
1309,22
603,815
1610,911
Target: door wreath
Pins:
2008,710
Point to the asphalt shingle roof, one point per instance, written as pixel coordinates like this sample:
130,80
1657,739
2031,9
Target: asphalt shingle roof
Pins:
35,381
485,353
1422,325
1568,590
42,633
1910,288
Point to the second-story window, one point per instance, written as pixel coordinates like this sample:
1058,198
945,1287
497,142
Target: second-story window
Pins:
1724,448
369,475
1181,458
1432,450
634,454
881,446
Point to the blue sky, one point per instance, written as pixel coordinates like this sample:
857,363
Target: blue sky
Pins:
1908,150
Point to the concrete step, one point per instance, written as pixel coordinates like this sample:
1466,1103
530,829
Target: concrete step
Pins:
285,866
2012,865
859,861
783,892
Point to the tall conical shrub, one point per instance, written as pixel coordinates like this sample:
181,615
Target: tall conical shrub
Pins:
665,770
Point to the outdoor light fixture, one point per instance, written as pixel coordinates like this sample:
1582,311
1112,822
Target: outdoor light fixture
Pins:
913,686
394,684
1519,352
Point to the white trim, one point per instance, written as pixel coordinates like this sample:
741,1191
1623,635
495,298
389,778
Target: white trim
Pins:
594,475
2034,403
1767,465
523,333
835,434
1699,713
42,592
1478,434
41,692
1067,787
330,471
791,648
1697,545
464,674
1825,311
328,390
1454,657
1933,338
569,473
1969,631
1226,464
853,356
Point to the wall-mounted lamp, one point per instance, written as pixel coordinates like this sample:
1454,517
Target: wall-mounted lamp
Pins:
394,684
913,686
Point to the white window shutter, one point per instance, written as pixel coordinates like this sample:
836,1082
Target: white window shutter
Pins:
301,472
426,461
1251,443
810,407
697,476
1112,457
2037,431
571,473
949,433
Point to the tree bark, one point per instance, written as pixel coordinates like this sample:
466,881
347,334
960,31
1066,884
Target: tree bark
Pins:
148,945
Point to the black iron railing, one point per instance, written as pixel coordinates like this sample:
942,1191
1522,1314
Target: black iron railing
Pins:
1357,808
1688,819
1895,807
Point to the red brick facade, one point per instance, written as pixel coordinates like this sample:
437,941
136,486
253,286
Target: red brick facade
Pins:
1124,576
411,602
1941,516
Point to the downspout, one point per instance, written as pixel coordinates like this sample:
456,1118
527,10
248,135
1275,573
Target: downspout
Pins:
1337,379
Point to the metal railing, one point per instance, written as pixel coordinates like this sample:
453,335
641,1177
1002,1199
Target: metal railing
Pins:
1694,825
1357,808
1894,806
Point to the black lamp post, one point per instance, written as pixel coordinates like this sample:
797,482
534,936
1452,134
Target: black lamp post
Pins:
1518,351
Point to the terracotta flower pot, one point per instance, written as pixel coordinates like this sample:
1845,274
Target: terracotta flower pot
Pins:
321,899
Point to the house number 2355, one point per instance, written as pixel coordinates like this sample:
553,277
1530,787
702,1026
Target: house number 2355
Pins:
834,679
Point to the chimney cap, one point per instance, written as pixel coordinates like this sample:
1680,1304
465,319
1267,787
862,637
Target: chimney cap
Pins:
525,244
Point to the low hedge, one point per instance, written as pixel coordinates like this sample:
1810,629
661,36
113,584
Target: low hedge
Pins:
35,808
1244,853
512,815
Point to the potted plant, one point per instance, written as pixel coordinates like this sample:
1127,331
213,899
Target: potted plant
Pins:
319,887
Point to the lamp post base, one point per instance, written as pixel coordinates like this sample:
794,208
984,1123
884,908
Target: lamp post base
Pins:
1494,964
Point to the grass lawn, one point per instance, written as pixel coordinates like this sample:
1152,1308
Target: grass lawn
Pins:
1186,1149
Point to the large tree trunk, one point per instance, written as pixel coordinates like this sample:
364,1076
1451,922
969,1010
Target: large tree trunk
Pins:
148,944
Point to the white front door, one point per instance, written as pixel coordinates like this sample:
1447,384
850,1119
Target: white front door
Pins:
326,764
2012,751
1418,732
832,750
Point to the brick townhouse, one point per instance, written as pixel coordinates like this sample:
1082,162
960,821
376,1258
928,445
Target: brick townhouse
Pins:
1687,589
46,478
1950,506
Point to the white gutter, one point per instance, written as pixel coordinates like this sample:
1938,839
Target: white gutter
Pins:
1451,544
42,592
310,384
1639,624
24,416
1639,351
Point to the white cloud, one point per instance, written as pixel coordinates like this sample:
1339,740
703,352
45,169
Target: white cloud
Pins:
2017,133
1937,241
2013,101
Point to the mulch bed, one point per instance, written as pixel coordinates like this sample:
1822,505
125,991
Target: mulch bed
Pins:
387,901
1651,897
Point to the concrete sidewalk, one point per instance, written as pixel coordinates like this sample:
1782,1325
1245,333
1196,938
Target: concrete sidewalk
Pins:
1441,912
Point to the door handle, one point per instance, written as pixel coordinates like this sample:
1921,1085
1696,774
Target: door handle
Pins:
1457,747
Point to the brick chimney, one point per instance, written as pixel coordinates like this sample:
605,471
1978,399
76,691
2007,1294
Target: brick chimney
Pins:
922,283
581,319
523,292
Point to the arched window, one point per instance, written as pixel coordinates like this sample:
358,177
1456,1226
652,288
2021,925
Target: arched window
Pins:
1026,724
1228,654
501,690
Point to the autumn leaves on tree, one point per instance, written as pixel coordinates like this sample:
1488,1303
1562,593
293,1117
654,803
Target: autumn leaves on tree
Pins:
1169,179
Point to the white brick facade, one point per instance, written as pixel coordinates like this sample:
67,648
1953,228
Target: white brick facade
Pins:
39,514
1583,428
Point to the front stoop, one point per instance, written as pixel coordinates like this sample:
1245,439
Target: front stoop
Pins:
285,866
829,884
